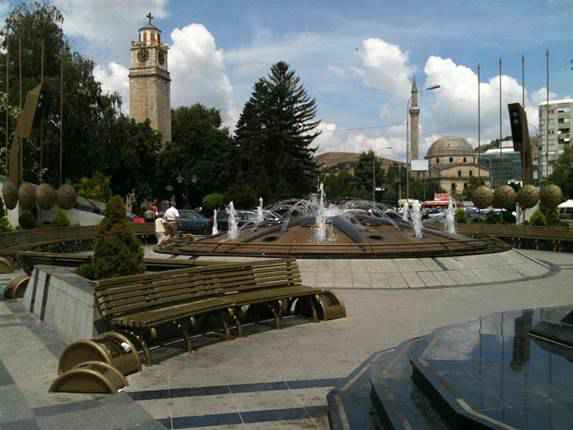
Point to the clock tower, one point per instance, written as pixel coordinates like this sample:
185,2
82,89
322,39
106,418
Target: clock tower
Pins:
149,81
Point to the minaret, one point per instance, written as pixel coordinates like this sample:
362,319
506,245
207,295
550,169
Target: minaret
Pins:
149,81
414,122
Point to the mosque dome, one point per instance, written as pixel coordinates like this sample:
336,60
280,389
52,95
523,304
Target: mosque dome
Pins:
449,146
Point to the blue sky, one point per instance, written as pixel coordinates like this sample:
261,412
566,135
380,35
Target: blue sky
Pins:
355,58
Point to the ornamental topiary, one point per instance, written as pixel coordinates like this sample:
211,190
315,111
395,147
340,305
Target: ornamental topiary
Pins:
27,196
482,197
504,197
10,193
26,219
46,196
117,251
528,196
67,197
550,196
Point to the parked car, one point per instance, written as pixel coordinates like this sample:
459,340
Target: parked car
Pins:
190,221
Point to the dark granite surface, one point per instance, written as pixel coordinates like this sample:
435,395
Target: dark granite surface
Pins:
491,373
495,367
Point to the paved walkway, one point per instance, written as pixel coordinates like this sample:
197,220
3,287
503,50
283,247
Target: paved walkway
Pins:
274,379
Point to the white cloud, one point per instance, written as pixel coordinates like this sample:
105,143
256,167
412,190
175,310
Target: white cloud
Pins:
387,142
385,67
114,78
104,22
452,109
197,72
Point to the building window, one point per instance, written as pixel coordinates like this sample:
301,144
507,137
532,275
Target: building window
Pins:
451,159
438,160
465,185
453,187
464,159
471,173
459,173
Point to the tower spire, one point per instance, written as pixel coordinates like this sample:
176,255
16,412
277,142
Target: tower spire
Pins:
414,112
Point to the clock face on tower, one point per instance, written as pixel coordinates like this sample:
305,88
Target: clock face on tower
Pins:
161,58
142,55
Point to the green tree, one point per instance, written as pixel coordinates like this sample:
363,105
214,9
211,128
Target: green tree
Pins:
368,164
563,173
117,251
200,159
96,137
32,26
274,136
341,185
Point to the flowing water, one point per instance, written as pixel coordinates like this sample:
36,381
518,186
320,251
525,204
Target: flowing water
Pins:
417,219
215,229
233,232
451,217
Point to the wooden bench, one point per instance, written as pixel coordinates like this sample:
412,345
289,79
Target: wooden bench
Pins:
150,308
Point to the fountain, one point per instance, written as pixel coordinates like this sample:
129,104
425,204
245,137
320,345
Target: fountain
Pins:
315,228
233,232
215,229
260,215
451,217
518,214
320,218
405,211
417,219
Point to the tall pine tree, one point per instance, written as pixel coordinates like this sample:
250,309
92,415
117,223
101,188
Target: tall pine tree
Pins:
274,136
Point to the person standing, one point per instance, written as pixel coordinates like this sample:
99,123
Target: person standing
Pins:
171,216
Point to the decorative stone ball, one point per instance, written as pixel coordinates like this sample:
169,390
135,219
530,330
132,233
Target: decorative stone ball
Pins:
67,197
504,197
482,197
27,196
46,196
550,196
10,194
528,196
27,220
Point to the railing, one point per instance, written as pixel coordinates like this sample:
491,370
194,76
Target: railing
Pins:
20,240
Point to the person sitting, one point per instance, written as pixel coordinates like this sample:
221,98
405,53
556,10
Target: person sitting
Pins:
161,232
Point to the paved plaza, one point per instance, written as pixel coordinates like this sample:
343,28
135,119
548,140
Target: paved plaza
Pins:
278,379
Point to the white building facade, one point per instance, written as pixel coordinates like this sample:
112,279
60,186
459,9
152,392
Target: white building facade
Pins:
555,132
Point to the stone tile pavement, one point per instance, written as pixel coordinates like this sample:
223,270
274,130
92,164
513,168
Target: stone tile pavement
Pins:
275,379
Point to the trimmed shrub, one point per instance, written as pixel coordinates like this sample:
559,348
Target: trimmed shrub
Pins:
551,216
61,219
492,218
117,251
213,201
461,216
538,219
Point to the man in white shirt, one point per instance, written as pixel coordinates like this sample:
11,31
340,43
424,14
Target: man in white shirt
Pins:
171,216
